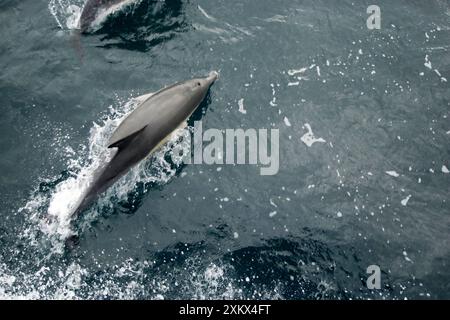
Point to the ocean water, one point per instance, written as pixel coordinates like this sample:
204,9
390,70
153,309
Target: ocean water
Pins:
364,178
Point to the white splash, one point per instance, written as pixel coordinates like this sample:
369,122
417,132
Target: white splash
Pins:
293,72
404,202
206,14
73,18
393,173
66,13
444,169
287,122
51,212
308,138
277,18
436,71
241,106
428,63
405,255
121,281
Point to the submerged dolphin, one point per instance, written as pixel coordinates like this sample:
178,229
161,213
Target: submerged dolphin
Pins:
93,8
145,129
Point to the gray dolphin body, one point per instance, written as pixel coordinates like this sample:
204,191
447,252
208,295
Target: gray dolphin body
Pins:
145,128
91,10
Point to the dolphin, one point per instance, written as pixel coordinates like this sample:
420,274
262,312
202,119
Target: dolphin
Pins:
94,8
145,129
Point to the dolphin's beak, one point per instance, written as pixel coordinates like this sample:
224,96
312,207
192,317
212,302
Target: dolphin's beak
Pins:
212,77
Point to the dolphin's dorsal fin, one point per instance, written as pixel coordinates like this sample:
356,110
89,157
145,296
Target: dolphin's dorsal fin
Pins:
123,142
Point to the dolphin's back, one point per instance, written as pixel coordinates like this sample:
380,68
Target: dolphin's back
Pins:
161,113
91,10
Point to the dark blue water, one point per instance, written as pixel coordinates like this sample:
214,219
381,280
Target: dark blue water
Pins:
372,191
